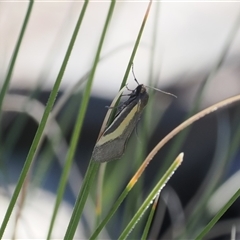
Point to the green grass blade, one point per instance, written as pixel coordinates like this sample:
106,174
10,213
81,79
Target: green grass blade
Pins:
218,215
74,139
8,142
15,53
195,212
136,45
6,85
78,208
150,219
133,54
16,130
39,133
119,201
111,213
181,138
98,209
159,186
81,199
149,158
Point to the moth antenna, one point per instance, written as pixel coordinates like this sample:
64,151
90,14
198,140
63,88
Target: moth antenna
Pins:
162,91
134,75
167,93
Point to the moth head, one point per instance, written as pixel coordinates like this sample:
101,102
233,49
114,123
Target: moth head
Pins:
143,89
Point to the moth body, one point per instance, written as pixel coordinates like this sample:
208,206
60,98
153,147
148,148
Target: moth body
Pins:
112,143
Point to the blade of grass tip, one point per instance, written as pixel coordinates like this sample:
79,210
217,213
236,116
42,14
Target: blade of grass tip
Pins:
150,219
196,117
180,128
83,194
185,124
150,156
220,213
155,192
39,132
214,178
203,194
15,54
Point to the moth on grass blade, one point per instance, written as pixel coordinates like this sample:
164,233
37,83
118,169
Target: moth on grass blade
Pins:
112,143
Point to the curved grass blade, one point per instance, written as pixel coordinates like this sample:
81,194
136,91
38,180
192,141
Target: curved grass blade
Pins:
214,70
150,156
193,211
210,183
155,192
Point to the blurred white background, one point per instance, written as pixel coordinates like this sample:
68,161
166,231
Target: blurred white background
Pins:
190,38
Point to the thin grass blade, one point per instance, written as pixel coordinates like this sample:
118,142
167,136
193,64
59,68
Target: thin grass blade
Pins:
154,193
150,219
15,54
39,133
74,139
210,225
92,168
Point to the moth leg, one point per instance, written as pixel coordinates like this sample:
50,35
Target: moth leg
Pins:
128,88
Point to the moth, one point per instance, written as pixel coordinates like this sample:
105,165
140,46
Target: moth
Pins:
112,143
